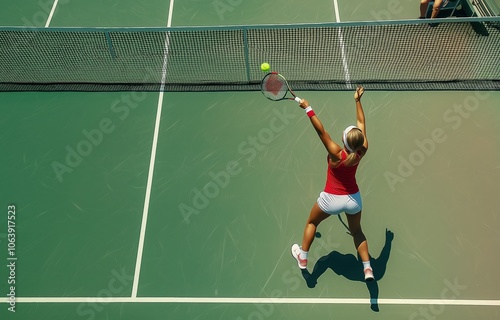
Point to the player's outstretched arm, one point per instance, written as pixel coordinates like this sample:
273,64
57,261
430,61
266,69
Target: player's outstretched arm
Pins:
360,115
330,145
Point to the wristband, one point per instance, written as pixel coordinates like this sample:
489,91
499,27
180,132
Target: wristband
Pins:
310,112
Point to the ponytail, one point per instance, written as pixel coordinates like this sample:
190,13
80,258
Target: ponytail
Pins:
350,159
355,140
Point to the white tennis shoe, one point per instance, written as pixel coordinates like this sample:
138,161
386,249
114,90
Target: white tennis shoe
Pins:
296,254
369,274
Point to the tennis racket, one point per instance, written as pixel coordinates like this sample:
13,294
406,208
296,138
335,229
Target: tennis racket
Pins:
275,87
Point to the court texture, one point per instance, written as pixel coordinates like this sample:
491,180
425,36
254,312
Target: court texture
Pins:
184,205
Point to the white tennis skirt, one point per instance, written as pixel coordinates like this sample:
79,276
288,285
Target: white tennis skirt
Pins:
336,204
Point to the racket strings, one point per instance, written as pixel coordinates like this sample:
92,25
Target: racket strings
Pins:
274,87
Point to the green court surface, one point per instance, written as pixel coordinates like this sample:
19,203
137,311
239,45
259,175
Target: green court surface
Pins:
233,180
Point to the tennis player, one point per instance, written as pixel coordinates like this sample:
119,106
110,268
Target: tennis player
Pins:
341,193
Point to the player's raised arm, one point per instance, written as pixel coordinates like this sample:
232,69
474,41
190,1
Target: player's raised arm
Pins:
330,145
360,115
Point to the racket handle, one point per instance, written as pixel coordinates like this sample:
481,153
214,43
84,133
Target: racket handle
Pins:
298,99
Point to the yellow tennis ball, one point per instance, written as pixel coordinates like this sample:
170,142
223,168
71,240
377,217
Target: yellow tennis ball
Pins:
265,67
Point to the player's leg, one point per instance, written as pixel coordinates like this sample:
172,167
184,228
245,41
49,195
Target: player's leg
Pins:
354,221
315,217
300,253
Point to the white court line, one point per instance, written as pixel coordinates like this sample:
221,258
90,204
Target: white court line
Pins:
49,19
198,300
170,12
347,74
336,7
138,263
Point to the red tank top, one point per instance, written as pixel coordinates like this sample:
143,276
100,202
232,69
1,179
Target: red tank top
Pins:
342,179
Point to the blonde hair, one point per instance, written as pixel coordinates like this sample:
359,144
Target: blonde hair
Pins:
355,140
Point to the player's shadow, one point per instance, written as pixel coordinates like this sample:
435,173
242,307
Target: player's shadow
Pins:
349,266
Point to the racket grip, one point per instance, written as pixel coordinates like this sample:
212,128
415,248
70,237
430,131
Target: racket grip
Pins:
298,99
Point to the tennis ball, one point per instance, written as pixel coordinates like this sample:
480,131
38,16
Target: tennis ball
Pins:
265,67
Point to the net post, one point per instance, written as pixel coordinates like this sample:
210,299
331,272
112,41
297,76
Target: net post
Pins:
245,44
110,45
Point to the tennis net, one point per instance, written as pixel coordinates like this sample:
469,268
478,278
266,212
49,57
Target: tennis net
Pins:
457,54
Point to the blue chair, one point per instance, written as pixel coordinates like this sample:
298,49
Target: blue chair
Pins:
447,9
